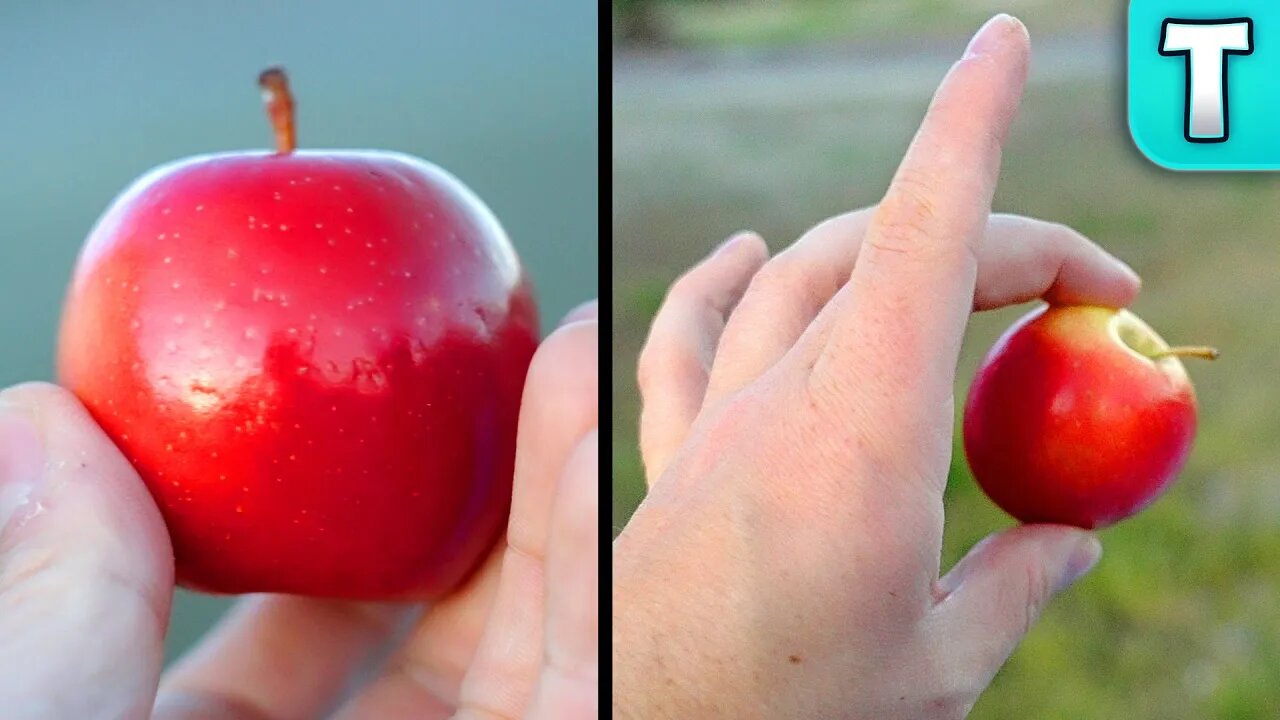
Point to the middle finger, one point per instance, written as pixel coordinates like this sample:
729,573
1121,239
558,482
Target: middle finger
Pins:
792,289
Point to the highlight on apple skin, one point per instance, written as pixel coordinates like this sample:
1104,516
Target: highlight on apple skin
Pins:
1080,415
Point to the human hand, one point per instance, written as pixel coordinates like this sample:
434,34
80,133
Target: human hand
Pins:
796,434
86,580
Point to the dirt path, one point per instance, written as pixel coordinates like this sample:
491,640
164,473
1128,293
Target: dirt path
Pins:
783,77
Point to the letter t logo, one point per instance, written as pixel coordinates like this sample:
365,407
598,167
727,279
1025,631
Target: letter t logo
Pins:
1206,45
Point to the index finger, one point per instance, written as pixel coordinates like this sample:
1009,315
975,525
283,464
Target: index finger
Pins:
912,287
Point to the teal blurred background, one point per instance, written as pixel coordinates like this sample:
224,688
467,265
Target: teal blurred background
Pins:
774,115
502,94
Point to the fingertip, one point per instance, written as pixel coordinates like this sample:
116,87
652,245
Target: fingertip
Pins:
589,310
1132,280
1115,284
1002,33
1083,558
1067,552
35,398
89,544
746,243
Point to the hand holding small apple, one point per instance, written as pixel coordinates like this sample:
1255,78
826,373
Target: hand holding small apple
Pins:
87,577
796,434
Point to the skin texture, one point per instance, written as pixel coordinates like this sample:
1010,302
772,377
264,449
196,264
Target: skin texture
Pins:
314,361
797,431
86,578
1064,424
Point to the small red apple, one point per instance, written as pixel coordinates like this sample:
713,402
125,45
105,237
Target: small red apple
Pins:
1079,415
313,359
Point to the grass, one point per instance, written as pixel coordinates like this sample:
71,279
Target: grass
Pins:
1179,619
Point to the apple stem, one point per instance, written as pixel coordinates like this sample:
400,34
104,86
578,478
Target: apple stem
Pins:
1198,351
279,102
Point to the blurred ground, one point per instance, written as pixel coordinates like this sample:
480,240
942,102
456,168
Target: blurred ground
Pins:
1179,619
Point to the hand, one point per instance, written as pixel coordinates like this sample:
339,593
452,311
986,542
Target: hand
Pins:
796,435
86,579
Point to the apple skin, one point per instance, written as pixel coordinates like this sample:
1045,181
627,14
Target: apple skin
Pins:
314,360
1064,423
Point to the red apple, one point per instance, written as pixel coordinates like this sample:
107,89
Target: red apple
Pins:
313,359
1079,415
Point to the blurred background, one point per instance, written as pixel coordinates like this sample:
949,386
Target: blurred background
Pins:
774,115
504,95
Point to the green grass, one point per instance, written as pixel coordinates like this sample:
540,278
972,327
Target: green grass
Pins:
1180,619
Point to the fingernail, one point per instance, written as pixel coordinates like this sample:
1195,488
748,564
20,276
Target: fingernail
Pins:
588,310
1129,272
1085,555
21,467
989,36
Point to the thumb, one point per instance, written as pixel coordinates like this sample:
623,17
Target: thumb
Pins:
993,596
86,569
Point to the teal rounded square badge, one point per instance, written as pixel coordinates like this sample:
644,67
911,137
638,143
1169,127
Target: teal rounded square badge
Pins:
1204,83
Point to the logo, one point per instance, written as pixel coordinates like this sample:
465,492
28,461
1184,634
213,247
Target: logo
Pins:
1204,83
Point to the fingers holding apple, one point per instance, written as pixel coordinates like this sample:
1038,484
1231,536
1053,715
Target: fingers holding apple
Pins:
1080,415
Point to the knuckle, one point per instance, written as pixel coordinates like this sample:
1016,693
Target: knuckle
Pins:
1037,590
794,281
906,216
956,687
782,273
659,364
687,289
22,570
647,367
